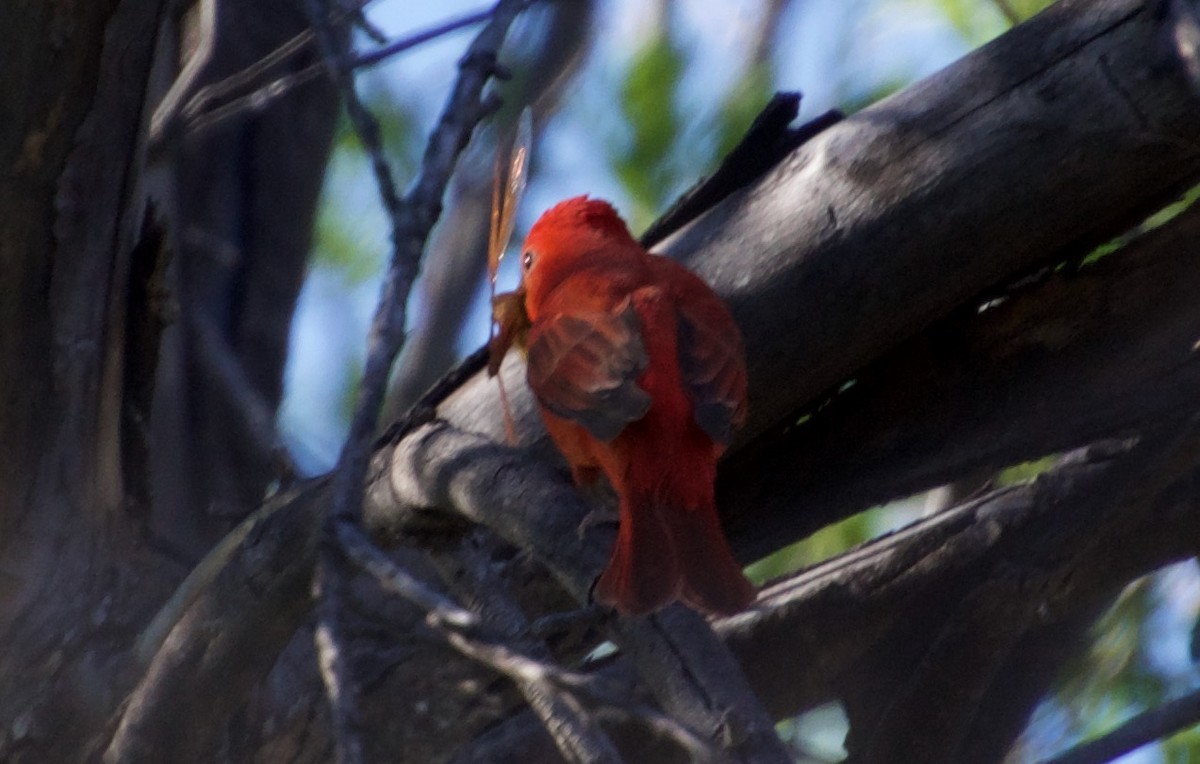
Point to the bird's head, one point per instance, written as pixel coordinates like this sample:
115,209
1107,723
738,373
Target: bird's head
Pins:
566,236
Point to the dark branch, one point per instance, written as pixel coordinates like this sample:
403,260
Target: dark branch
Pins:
803,270
1143,729
411,220
677,655
574,731
244,92
981,575
834,259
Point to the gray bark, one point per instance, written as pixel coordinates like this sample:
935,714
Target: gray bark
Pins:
864,255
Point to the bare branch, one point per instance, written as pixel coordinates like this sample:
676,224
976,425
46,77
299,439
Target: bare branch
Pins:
981,575
1126,171
212,104
841,228
683,664
411,221
568,723
329,590
547,686
455,263
1101,346
441,611
1143,729
221,634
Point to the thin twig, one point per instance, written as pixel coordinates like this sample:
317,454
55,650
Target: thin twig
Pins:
569,724
441,611
517,654
1147,727
566,622
411,221
689,672
200,113
328,584
387,51
565,719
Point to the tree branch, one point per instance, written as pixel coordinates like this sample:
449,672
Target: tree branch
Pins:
1143,729
676,654
845,226
923,150
980,575
574,731
1106,348
411,219
222,632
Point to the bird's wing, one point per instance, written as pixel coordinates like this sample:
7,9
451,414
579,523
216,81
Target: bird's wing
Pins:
711,362
584,366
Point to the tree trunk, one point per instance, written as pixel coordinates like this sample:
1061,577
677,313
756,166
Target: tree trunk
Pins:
909,284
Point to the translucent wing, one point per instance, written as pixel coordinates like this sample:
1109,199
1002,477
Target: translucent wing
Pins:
507,190
508,312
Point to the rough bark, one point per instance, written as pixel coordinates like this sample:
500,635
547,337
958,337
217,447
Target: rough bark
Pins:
84,257
864,255
238,197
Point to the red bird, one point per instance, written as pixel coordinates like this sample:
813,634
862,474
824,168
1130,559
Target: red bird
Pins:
639,372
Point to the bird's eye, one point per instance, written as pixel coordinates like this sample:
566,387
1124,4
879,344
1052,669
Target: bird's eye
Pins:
527,259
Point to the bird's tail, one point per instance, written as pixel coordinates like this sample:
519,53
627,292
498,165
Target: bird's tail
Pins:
643,572
664,553
713,581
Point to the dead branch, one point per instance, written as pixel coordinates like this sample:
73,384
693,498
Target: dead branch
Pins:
1143,729
834,246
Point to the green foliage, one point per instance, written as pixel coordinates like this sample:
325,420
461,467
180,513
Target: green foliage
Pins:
742,104
648,102
1112,680
1024,472
338,248
1182,748
854,102
831,541
980,20
1163,216
664,148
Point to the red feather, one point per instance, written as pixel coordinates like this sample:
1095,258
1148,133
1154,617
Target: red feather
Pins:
638,370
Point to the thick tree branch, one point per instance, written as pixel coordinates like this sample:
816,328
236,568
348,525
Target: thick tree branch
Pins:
231,619
885,222
1105,348
980,575
411,219
573,729
1140,516
877,269
676,654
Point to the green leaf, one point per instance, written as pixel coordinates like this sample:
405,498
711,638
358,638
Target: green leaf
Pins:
648,102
